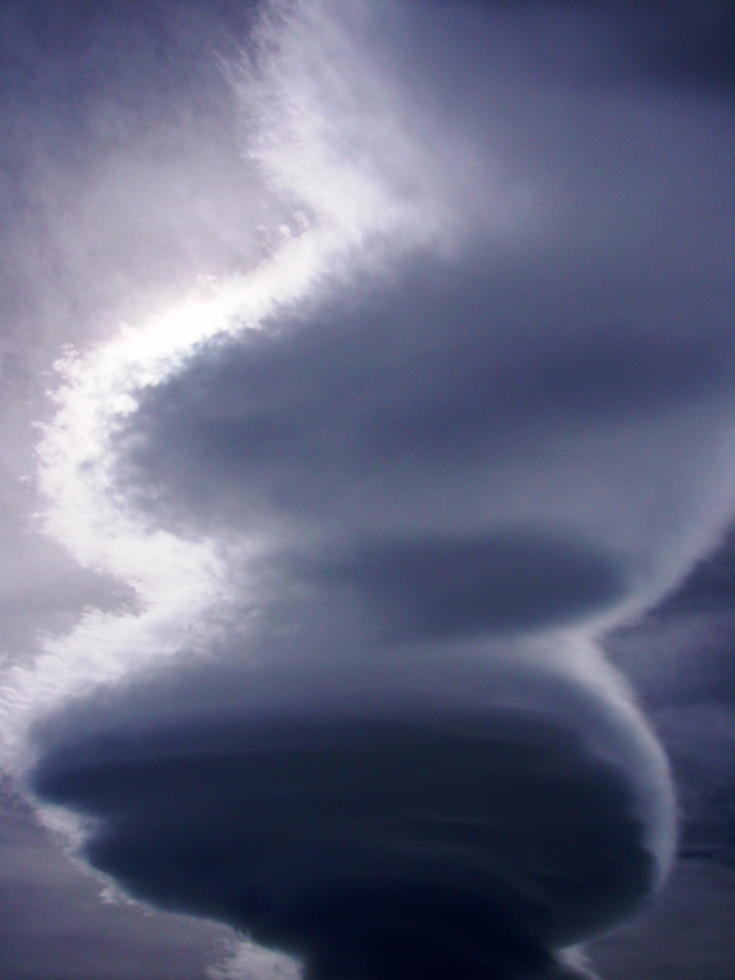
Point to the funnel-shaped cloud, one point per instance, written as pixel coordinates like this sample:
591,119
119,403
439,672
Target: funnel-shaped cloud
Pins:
378,496
372,848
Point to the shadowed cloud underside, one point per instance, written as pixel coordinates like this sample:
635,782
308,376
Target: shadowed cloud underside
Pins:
433,587
374,848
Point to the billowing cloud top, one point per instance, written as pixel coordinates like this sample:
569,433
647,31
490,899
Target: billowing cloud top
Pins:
378,496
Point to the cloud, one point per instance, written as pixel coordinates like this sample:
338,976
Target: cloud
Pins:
388,848
434,588
689,931
369,809
244,960
627,44
377,495
57,926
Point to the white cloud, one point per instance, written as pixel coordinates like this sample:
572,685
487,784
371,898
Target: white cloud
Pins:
246,961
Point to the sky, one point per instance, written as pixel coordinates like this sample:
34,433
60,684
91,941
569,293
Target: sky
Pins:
368,490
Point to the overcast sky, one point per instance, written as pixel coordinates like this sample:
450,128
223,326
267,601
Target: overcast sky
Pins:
368,477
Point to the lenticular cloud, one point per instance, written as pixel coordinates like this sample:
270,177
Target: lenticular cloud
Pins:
377,497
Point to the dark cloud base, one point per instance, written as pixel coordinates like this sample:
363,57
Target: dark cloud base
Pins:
373,849
433,588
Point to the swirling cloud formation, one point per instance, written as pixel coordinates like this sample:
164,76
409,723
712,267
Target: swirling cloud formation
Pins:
379,495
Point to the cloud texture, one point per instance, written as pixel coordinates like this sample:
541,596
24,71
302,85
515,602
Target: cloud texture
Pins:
375,499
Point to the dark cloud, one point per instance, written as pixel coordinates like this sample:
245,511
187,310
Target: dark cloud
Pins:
694,48
55,926
569,350
371,848
372,765
681,44
452,587
687,932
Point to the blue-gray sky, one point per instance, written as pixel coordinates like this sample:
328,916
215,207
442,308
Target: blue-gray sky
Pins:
368,462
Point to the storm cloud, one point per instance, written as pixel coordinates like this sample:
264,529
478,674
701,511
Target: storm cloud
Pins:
372,848
360,507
